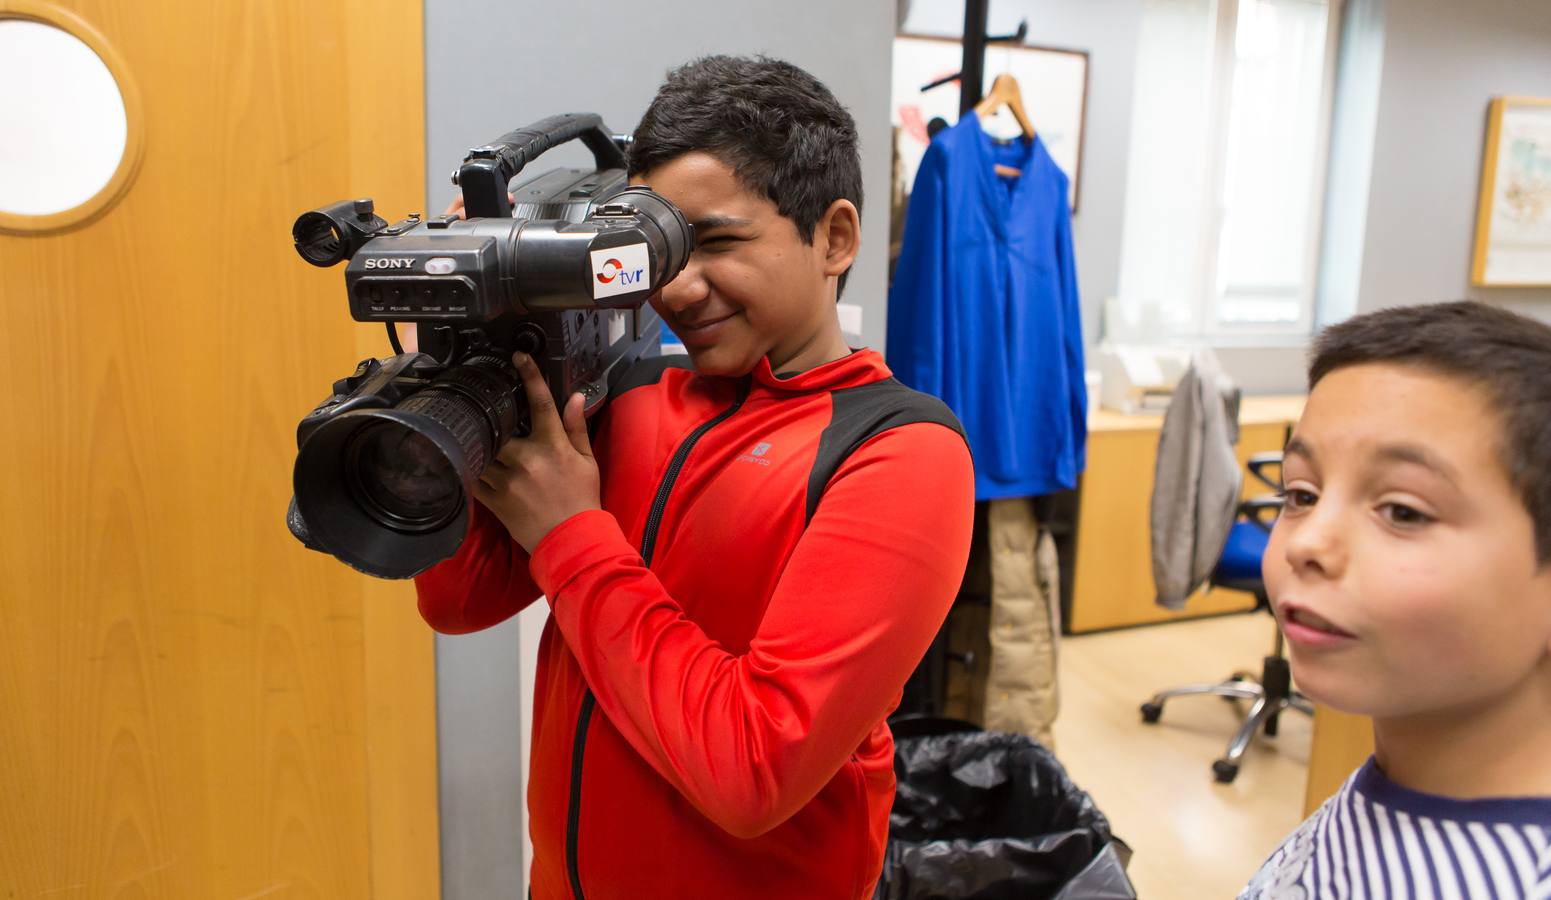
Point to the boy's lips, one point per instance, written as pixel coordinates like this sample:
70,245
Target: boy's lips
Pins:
1305,627
702,331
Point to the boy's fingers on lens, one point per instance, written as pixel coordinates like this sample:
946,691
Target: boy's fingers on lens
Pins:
575,421
501,466
541,406
506,458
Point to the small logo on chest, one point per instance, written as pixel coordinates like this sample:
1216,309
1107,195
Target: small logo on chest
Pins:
757,455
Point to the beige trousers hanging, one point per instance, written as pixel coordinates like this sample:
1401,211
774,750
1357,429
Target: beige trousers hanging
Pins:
1021,689
1011,685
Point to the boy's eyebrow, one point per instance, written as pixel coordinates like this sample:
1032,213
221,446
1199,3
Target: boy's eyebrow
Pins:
1419,456
710,222
1297,447
1393,453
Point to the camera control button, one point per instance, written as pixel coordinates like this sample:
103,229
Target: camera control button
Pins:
440,265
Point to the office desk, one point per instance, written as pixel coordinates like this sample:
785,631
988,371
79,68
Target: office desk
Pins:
1112,578
1342,742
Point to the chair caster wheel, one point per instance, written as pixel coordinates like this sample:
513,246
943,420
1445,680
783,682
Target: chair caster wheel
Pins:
1225,771
1151,712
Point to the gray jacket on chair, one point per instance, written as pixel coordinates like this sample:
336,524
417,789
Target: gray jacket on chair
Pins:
1197,481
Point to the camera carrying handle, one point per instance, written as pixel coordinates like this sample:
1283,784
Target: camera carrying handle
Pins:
487,170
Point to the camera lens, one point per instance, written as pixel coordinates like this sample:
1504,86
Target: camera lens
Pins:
385,490
401,479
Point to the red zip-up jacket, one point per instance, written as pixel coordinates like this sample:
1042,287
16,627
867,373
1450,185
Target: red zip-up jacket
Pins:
728,634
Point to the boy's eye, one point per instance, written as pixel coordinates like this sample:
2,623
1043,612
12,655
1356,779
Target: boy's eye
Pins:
1400,514
1297,498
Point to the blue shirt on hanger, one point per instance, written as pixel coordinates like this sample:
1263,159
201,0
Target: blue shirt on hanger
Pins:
984,313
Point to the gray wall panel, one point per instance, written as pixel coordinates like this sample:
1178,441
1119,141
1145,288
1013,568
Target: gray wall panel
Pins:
479,742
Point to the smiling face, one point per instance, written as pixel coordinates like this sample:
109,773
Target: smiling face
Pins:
1403,568
753,286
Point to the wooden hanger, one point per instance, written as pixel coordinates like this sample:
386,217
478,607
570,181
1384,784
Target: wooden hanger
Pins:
1006,92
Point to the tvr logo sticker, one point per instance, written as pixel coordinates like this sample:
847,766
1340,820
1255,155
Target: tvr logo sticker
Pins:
620,270
613,268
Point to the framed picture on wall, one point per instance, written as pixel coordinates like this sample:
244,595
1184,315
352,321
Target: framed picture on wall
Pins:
1054,83
1513,219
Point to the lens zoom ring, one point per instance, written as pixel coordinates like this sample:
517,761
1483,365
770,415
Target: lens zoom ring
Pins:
493,385
461,417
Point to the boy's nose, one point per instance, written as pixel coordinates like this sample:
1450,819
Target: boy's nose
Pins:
1315,543
688,289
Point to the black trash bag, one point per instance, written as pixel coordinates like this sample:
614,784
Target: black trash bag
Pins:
989,815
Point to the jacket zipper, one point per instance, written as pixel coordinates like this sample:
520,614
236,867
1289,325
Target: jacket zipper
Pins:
648,546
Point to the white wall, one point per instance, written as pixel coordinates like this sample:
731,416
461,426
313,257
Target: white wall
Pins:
1443,63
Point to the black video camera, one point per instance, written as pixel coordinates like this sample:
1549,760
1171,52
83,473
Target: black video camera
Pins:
560,271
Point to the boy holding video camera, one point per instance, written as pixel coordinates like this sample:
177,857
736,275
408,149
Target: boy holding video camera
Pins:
751,552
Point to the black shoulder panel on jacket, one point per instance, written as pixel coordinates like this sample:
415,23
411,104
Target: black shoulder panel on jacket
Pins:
649,370
860,413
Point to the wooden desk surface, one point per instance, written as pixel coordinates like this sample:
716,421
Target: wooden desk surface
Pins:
1342,742
1259,410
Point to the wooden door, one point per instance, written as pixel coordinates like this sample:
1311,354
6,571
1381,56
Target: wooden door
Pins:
192,705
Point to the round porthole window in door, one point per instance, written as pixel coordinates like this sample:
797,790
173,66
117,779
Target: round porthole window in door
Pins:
70,128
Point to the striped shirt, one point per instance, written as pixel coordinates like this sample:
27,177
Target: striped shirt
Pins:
1375,839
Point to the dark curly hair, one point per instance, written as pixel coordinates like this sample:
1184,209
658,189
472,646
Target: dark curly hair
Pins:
1506,354
779,129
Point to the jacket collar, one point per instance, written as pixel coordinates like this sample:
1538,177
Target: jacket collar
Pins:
863,366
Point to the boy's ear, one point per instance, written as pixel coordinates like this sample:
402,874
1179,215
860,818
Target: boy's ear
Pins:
839,235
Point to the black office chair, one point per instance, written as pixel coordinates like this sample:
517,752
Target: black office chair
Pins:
1238,568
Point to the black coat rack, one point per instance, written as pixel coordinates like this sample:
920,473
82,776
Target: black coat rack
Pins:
972,69
925,696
